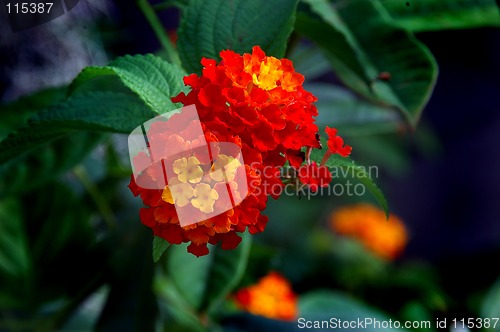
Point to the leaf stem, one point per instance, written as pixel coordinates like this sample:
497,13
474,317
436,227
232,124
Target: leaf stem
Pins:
99,199
159,31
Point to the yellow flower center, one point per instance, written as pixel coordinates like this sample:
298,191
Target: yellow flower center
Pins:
268,75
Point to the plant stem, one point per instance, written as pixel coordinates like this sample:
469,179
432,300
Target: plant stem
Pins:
159,31
327,156
99,199
308,155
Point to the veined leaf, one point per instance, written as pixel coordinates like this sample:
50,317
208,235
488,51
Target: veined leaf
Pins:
208,27
35,168
378,49
97,111
429,15
154,80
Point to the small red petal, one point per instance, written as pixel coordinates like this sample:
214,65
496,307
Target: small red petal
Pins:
198,250
230,241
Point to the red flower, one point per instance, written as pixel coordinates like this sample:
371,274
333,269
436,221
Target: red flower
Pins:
315,176
336,143
252,100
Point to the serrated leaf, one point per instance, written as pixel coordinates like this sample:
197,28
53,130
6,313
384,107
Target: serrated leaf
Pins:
159,247
204,281
379,47
429,15
208,27
154,80
96,111
345,167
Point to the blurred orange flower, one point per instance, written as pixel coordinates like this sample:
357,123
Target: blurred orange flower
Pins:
271,297
368,224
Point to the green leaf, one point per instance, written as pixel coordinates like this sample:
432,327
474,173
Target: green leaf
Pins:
183,316
205,281
39,233
14,255
66,225
208,27
428,15
351,115
87,314
337,50
342,167
322,305
15,260
37,167
154,80
15,114
159,247
369,49
96,111
491,303
309,61
228,267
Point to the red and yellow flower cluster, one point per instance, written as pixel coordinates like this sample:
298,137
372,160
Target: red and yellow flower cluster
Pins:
368,224
271,297
258,103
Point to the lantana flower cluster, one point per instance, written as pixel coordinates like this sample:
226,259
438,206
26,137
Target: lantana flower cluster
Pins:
258,103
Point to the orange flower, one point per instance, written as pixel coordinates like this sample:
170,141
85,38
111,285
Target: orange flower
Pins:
368,224
271,297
